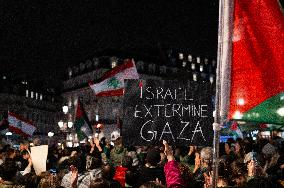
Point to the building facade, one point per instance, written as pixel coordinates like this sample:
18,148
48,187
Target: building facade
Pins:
31,99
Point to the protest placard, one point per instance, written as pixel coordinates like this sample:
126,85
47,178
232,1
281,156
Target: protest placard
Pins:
39,157
180,112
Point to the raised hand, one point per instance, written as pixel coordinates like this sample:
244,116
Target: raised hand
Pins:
168,151
251,168
197,162
74,176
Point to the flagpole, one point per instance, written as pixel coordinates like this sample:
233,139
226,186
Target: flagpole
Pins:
223,72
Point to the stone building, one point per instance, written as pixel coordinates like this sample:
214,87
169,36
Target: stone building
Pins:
31,98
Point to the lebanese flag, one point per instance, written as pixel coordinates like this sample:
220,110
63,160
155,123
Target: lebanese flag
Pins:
112,83
257,65
20,125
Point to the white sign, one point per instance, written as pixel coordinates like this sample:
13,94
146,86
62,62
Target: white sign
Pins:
39,157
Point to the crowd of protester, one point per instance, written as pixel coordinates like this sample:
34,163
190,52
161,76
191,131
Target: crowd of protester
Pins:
99,164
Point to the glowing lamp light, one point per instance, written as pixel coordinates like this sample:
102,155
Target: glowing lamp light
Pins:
50,134
280,111
9,134
60,124
241,101
65,109
69,144
237,115
201,68
189,58
99,125
192,66
194,77
70,124
211,79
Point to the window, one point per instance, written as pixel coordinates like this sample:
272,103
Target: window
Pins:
36,95
70,102
194,77
88,64
95,62
211,79
192,66
27,93
201,68
184,63
198,59
174,70
4,77
180,56
75,101
213,63
152,68
140,66
190,58
113,64
32,94
70,73
206,61
82,66
40,97
163,69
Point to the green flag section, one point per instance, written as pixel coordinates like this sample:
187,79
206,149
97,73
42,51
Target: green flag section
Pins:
257,69
82,124
271,110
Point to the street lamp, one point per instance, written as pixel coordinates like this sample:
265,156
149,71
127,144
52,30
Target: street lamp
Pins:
50,134
9,134
60,124
70,124
65,109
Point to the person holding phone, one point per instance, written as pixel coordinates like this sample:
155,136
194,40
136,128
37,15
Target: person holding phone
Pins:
70,180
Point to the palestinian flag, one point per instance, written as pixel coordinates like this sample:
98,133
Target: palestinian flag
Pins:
257,64
82,124
236,130
112,83
20,125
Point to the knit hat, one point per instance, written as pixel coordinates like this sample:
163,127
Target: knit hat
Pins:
268,149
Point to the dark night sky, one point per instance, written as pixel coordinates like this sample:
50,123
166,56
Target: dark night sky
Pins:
54,34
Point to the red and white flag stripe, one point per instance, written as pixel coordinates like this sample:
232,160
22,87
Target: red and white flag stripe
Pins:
112,83
20,125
